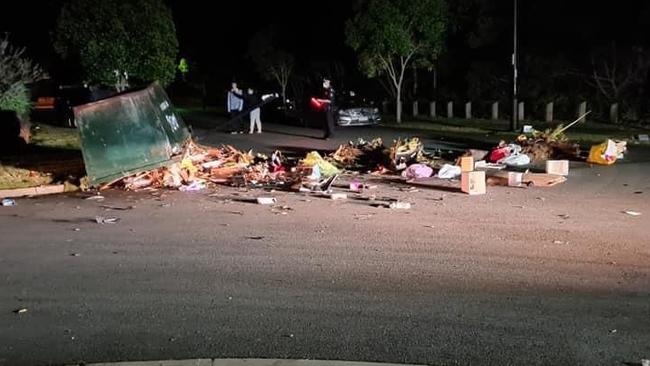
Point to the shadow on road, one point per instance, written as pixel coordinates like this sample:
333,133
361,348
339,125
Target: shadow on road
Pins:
308,133
428,183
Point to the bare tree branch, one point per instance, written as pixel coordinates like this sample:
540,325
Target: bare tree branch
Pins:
390,68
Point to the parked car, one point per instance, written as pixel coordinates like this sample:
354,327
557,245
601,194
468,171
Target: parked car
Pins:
285,113
350,111
53,103
68,97
355,111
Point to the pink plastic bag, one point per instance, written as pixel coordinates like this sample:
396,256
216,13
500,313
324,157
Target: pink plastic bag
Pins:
416,171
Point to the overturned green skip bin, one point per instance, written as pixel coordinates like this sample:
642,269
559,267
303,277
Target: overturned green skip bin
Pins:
129,133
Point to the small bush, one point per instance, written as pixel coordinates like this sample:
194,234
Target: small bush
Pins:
16,72
16,99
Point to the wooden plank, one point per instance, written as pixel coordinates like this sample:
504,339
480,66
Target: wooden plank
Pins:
530,179
32,191
543,180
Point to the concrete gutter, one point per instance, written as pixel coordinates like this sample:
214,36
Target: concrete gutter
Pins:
239,362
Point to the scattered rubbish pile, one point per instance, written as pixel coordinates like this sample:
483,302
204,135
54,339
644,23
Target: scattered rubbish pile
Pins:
404,152
374,156
361,154
199,167
538,147
549,144
535,148
136,141
196,167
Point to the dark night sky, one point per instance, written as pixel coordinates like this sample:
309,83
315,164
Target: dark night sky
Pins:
219,38
215,35
317,29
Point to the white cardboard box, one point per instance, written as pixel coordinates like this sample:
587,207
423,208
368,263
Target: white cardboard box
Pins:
557,167
473,183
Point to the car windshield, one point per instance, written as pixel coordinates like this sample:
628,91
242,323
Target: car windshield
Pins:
351,99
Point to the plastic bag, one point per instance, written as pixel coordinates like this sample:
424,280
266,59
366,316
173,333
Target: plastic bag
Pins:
449,172
498,154
189,166
516,160
192,187
416,171
514,149
603,154
326,168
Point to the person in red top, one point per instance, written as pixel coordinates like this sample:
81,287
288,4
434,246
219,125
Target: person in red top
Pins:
327,101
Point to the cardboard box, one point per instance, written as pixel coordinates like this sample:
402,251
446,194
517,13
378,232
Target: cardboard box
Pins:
466,164
473,183
266,200
515,179
557,167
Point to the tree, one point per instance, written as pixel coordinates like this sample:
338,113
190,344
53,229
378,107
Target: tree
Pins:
184,68
271,61
137,37
390,35
16,73
623,82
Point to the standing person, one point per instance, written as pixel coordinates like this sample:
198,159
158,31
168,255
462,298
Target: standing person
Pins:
235,105
327,100
252,102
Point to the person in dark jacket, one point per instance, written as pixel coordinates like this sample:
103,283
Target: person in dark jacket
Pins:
327,100
235,106
252,102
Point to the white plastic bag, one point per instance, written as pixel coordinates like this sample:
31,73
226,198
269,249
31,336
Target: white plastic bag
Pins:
516,160
449,172
611,151
514,149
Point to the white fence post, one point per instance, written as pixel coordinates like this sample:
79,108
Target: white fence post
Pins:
582,109
495,110
613,113
549,112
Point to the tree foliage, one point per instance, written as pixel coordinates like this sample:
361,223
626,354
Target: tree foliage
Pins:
625,82
271,61
133,36
16,72
390,35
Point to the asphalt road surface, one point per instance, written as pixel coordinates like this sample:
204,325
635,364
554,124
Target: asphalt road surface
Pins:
538,276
